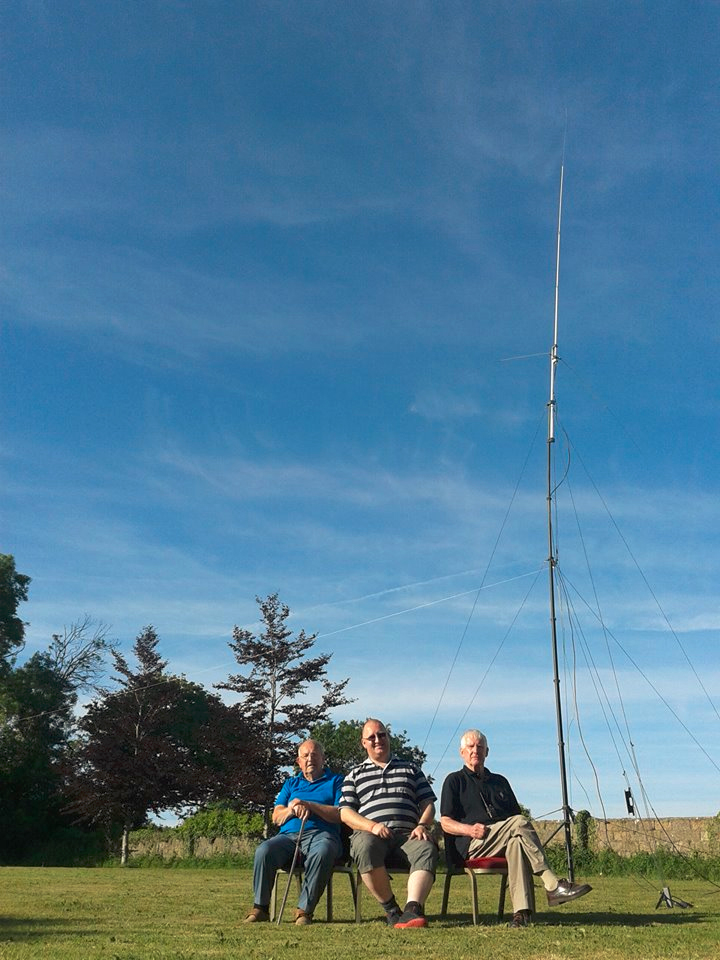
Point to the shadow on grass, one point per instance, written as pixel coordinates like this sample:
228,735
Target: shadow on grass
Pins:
594,919
24,929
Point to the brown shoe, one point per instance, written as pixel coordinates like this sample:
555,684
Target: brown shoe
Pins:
521,918
565,892
302,919
257,915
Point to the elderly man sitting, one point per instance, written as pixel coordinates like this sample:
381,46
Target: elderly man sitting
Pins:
312,795
480,810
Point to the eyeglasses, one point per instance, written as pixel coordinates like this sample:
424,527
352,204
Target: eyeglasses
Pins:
376,736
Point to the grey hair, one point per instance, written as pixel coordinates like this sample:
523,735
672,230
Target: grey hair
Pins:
476,734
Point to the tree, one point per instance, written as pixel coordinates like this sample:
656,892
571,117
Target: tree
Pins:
37,701
343,746
78,652
38,706
13,590
279,675
158,743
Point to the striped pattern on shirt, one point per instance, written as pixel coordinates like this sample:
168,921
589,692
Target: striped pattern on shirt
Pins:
391,795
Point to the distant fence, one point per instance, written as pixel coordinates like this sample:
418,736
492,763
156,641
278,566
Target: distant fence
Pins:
687,835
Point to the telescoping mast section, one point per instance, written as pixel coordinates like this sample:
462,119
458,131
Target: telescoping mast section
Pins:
552,555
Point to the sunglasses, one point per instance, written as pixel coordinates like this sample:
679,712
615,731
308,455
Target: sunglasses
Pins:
376,736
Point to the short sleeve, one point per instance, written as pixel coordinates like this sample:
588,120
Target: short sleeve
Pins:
423,791
449,798
281,800
348,794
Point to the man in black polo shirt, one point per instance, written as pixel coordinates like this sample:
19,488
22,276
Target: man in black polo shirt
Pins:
479,809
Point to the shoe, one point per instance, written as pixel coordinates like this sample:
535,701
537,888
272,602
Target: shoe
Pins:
565,891
392,916
257,915
302,919
521,918
409,918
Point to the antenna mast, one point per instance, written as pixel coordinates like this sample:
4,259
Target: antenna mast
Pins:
552,557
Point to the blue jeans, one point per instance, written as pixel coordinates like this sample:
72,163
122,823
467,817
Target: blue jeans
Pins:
320,850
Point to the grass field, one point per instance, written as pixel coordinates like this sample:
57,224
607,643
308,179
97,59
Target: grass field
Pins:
148,914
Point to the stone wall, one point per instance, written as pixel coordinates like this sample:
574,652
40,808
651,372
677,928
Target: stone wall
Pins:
687,835
168,846
627,836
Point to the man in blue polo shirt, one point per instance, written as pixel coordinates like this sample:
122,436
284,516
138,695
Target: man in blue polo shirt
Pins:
313,794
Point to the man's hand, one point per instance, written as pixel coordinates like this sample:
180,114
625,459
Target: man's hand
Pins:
381,830
478,831
300,809
421,832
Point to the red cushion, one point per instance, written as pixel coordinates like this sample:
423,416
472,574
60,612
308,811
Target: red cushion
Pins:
486,863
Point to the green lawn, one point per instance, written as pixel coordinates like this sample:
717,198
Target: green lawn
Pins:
143,914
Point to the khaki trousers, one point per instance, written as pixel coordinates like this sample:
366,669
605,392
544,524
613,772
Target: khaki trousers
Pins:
516,840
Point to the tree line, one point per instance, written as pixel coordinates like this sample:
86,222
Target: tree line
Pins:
151,741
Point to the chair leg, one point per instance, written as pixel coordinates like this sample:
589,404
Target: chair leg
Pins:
473,892
358,894
353,888
329,899
446,894
353,892
272,910
501,902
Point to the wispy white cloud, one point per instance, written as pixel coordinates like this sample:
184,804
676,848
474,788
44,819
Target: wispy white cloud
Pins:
256,294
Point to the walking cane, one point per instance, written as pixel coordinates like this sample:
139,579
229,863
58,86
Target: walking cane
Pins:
292,868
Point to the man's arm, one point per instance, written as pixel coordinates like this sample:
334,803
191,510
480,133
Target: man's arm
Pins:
351,818
457,829
451,808
427,815
310,808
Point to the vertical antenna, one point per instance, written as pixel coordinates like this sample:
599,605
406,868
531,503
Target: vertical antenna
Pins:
553,351
552,557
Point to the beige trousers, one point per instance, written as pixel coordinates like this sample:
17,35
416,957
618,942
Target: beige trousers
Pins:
516,840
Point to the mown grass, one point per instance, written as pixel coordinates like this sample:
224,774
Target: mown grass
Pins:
152,914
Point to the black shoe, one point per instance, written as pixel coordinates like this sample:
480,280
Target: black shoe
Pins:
392,916
410,918
565,891
521,918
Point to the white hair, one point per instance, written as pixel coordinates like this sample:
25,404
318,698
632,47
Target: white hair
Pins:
476,735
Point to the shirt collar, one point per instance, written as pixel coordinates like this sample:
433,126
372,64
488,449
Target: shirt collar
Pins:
475,776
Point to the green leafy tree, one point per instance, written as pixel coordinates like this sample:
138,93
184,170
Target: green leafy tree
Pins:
343,746
158,743
273,687
33,741
13,591
37,701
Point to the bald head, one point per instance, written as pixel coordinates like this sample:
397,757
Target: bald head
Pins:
311,759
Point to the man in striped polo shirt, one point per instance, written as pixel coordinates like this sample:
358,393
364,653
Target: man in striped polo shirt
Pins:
390,806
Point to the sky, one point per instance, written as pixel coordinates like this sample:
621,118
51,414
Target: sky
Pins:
276,311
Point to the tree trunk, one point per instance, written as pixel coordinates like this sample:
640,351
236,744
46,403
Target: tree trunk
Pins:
124,845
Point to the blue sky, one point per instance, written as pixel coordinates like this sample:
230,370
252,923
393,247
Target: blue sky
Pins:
264,266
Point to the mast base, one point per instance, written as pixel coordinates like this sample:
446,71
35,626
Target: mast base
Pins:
667,900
